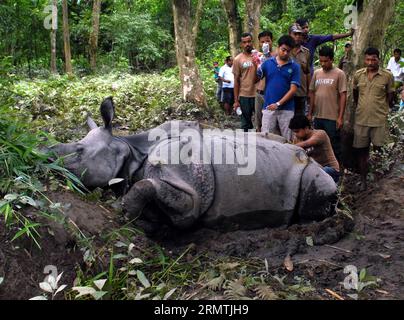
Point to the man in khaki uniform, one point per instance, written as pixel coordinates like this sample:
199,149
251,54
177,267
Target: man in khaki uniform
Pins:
373,95
301,55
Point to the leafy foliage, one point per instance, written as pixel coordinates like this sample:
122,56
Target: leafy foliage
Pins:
61,104
22,167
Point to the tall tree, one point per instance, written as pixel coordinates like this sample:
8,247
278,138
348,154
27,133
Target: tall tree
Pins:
94,33
54,26
192,87
252,19
66,38
197,19
233,22
374,19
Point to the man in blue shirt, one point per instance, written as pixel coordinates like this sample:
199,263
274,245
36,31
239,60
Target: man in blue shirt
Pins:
312,41
282,79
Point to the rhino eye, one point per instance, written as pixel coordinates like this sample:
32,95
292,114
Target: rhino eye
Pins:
80,149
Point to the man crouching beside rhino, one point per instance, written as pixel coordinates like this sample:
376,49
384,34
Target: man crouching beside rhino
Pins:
182,176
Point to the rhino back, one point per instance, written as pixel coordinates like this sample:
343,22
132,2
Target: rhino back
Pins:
267,197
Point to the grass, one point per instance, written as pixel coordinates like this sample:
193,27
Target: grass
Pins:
22,170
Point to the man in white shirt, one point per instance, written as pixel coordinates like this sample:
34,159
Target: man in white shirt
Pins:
396,66
226,75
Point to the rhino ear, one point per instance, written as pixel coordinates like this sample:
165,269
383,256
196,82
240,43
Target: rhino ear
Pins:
107,112
91,123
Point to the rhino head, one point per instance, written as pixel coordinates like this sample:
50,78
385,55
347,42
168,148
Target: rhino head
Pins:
100,156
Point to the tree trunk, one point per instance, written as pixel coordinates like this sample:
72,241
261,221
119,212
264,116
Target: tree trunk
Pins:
197,19
53,36
372,25
233,22
252,19
192,87
94,33
374,17
66,39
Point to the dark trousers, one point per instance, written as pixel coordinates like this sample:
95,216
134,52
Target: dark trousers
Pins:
330,127
247,107
335,175
300,105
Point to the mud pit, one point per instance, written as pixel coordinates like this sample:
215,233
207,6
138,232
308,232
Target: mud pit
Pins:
375,241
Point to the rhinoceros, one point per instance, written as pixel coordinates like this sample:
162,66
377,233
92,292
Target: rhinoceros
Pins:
177,175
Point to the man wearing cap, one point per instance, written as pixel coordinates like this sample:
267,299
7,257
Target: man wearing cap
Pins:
301,55
347,56
312,41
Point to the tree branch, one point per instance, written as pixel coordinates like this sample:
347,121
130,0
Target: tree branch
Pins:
197,20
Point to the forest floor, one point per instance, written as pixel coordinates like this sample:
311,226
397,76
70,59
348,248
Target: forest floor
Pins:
301,262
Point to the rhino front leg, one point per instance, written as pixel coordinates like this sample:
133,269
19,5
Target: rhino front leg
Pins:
158,201
139,196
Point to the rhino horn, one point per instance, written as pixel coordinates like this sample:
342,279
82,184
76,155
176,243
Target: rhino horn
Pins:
107,112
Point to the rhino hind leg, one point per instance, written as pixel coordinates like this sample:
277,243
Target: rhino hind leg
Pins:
160,203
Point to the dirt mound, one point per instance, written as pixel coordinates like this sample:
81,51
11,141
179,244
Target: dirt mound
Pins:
22,263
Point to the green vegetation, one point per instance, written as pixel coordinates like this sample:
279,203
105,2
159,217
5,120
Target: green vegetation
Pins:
138,35
136,65
22,168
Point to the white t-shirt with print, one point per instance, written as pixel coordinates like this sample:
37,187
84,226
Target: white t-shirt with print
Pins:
226,73
396,68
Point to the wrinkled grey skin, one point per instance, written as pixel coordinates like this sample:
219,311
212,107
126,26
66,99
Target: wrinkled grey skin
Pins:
287,186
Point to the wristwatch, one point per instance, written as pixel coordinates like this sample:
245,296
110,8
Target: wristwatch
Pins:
278,104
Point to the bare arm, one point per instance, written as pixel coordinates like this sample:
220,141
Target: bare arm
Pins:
289,95
223,80
236,93
312,105
308,79
312,142
342,106
343,35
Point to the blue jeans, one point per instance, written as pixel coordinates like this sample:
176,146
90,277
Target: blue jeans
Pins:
333,173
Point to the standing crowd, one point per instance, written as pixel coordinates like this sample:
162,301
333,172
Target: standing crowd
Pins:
281,92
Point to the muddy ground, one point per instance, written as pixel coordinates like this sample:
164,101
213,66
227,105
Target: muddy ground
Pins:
319,251
374,241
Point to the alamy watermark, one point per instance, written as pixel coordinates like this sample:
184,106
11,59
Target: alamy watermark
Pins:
204,147
351,20
51,20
